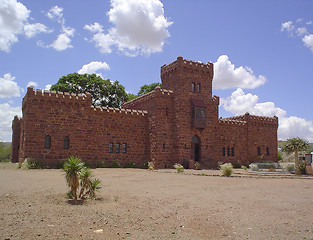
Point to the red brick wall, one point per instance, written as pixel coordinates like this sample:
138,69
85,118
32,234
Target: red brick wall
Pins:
89,129
16,135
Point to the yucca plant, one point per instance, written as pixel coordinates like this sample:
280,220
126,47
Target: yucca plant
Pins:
78,178
179,167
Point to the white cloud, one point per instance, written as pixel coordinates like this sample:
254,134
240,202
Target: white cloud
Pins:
62,42
48,86
140,27
13,16
31,30
308,41
32,84
55,12
94,67
8,87
7,114
301,31
227,76
239,103
287,26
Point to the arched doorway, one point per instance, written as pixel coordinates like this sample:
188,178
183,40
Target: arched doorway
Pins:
195,148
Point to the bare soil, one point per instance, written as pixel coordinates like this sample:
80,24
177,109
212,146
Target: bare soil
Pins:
142,204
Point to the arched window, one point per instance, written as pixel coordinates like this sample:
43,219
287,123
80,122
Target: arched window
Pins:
47,141
232,152
66,144
192,87
267,151
198,87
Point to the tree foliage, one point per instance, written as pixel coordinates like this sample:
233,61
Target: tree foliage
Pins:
294,145
148,88
5,152
103,92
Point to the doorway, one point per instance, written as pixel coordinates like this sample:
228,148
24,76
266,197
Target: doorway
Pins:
195,148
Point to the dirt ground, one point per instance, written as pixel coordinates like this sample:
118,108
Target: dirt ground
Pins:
142,204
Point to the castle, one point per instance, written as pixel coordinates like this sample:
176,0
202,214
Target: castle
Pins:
178,123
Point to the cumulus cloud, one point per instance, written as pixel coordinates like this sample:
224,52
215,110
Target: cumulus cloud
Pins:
32,84
62,42
139,27
55,12
299,30
14,18
8,87
7,114
48,86
227,76
94,67
239,103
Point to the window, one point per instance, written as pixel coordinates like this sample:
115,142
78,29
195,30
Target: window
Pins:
66,143
200,113
117,148
47,141
267,151
232,152
124,148
198,87
110,147
224,151
259,151
228,151
163,145
192,87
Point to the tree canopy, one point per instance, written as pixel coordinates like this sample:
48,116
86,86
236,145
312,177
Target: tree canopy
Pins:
103,92
148,88
295,145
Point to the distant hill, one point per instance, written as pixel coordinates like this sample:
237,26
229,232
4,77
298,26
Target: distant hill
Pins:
6,143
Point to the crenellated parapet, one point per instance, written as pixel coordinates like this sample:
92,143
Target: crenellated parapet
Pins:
256,120
192,66
229,121
99,109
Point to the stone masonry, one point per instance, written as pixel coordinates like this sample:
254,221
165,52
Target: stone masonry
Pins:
178,123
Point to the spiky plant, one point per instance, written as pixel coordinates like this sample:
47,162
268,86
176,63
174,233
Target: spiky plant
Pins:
72,168
85,181
95,186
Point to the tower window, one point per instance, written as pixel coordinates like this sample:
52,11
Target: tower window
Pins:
47,141
192,87
163,145
232,152
267,151
66,143
228,151
124,148
259,151
198,87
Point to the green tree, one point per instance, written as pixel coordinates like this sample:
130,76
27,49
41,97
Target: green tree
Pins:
148,88
131,96
5,152
294,145
103,92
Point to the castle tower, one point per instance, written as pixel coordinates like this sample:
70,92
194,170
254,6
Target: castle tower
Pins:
196,110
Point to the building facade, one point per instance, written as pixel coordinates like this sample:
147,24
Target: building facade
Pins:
178,123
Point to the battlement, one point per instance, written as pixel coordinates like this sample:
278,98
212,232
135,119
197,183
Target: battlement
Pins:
99,109
230,121
205,68
53,95
256,119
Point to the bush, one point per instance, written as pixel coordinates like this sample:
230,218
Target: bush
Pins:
144,165
237,164
150,165
59,164
30,163
289,167
272,170
227,169
179,167
100,164
115,164
130,165
302,167
197,166
5,152
254,167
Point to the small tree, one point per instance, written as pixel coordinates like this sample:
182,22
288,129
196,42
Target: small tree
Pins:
295,145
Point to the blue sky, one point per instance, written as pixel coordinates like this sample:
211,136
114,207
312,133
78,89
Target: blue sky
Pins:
262,50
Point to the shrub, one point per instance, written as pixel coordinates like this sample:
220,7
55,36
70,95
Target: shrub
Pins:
244,168
59,164
237,164
272,170
254,167
115,164
78,178
302,167
130,165
100,164
30,163
289,167
227,169
197,166
179,167
150,165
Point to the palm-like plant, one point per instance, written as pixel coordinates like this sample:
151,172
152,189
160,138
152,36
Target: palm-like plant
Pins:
295,145
78,178
72,168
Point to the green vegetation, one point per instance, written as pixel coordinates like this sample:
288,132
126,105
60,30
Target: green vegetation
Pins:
78,178
115,164
295,145
5,152
179,167
237,164
197,166
130,165
227,169
30,163
150,165
103,92
143,90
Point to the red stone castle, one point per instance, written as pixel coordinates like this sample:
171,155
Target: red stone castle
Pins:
178,123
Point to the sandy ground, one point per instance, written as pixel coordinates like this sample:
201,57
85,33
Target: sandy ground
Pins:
142,204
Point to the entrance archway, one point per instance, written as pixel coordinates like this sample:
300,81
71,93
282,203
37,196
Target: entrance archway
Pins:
195,148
